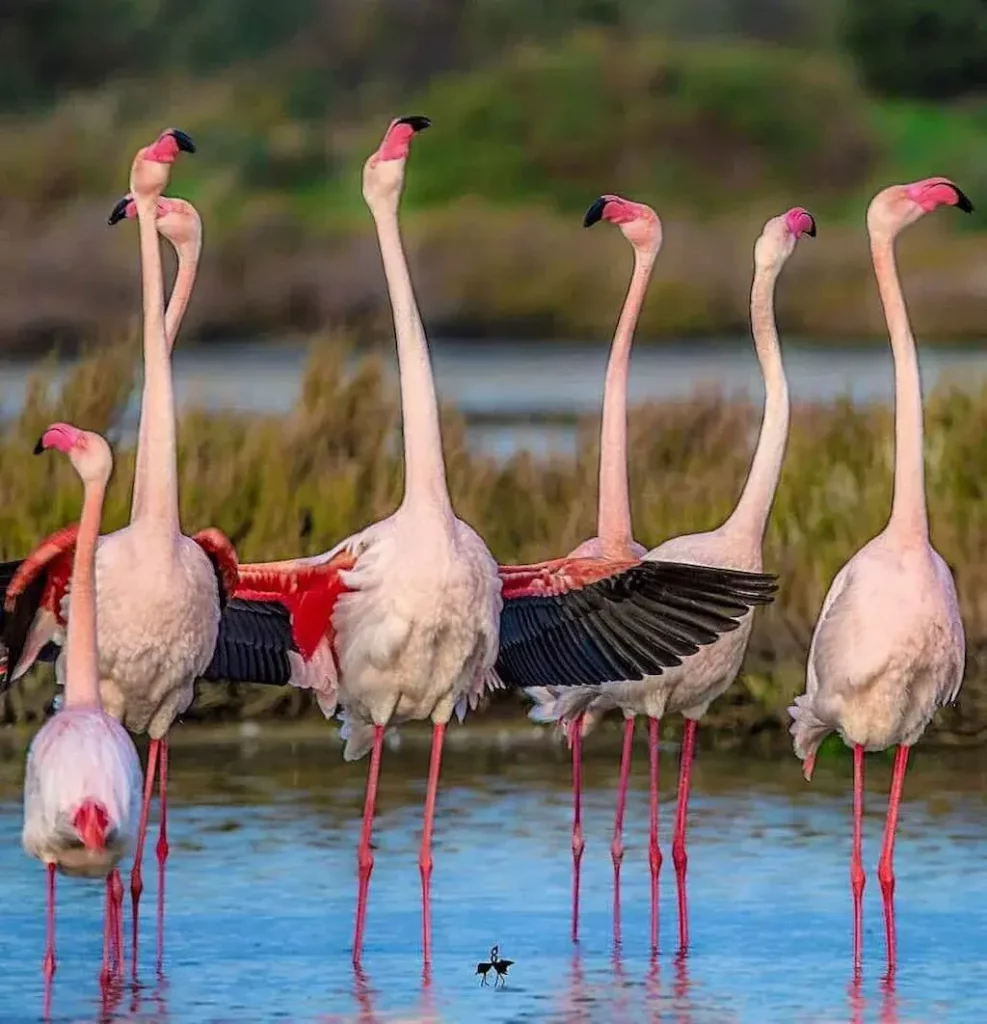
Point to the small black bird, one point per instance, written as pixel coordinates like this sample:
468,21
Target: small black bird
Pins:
495,962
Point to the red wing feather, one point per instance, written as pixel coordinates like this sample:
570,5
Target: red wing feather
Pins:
222,554
309,592
52,557
557,576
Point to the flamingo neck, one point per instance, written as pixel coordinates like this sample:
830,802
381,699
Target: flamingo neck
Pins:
425,479
188,262
614,514
81,663
909,515
159,492
752,511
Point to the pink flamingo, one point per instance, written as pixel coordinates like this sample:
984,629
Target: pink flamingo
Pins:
693,685
160,592
877,679
403,621
83,780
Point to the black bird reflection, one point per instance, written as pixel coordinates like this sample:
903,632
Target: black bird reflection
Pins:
495,963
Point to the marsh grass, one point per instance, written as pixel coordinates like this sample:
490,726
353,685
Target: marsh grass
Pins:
296,484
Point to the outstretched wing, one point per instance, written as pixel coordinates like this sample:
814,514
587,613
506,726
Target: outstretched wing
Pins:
587,621
279,625
32,601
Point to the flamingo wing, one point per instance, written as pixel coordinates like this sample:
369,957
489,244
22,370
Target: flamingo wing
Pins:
585,621
33,589
279,625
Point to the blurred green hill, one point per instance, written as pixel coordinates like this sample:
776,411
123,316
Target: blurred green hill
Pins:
720,113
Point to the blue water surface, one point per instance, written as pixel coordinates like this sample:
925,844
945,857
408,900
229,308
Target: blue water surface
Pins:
261,889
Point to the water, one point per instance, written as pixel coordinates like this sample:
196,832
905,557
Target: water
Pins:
261,887
501,386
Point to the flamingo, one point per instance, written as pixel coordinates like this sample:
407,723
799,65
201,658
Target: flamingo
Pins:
737,544
877,679
404,620
83,778
160,593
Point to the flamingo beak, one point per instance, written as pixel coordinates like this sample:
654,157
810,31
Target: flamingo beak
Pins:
91,821
595,213
119,212
184,141
416,122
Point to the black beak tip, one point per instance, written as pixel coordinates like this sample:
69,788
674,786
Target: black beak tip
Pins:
812,230
185,143
119,212
417,122
595,212
39,447
963,201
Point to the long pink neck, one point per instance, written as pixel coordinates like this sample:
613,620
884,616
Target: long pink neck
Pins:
188,262
159,494
425,479
752,511
81,667
908,509
614,515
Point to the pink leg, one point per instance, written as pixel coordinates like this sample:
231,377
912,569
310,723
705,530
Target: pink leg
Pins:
654,853
116,891
616,844
162,848
48,966
364,856
425,854
136,880
885,870
109,936
578,843
679,857
857,878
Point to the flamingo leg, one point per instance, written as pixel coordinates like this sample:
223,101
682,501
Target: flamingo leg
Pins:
679,856
654,853
136,879
617,843
885,870
425,853
857,877
364,855
109,936
578,843
161,850
48,966
116,891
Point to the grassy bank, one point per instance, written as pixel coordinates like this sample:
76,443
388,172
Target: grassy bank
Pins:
295,485
717,136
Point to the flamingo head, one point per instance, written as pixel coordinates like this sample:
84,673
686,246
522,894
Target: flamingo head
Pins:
151,168
894,208
89,452
638,223
383,173
777,241
91,823
177,220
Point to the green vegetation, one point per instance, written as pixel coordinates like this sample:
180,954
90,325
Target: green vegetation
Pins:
295,485
718,112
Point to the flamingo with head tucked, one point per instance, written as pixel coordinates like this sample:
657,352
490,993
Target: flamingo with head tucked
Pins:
83,780
692,686
160,593
403,621
888,649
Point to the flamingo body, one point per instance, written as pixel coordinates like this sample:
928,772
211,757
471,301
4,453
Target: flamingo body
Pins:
80,755
417,626
158,618
878,679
